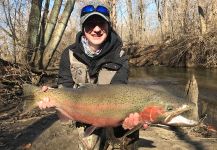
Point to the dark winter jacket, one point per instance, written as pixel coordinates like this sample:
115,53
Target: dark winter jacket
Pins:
109,58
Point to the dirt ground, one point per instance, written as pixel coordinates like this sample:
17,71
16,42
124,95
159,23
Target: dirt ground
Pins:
48,133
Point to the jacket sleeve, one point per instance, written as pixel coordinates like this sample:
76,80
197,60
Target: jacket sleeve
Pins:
65,76
121,76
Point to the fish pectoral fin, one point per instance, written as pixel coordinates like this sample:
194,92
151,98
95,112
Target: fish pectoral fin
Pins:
89,130
137,127
63,116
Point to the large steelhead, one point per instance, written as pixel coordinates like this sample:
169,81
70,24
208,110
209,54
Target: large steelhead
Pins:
109,105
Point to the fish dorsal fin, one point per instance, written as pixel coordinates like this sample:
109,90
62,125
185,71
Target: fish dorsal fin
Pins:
192,93
89,130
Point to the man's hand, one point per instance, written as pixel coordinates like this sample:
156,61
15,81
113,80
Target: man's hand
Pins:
45,102
132,121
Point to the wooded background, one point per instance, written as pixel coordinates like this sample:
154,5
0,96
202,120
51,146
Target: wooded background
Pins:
34,33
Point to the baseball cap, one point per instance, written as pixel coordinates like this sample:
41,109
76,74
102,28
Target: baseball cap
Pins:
94,9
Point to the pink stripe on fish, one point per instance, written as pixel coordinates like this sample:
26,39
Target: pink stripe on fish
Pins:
90,113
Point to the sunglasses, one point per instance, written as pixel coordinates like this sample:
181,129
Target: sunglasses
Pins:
89,25
90,8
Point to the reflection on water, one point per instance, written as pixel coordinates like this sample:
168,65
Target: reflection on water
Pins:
174,80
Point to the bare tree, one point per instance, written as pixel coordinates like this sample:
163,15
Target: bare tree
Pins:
159,16
202,17
41,51
213,13
130,15
33,29
141,19
57,34
12,22
52,21
46,30
113,12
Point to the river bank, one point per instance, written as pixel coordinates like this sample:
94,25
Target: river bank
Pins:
43,130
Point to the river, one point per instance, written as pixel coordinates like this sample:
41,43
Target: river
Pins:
174,80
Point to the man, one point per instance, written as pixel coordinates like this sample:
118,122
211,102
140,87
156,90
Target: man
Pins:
95,58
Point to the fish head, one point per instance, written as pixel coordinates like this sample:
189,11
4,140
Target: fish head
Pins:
179,116
172,114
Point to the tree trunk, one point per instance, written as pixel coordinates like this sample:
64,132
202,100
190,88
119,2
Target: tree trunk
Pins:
159,19
114,14
33,29
129,6
52,21
202,18
213,14
185,17
141,20
10,21
165,18
40,47
170,21
57,34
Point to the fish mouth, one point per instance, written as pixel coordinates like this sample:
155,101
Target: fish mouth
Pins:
174,118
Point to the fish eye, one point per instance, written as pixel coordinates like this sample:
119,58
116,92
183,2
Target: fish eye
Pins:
169,108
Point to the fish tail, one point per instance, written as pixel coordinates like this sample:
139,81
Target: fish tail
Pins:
29,97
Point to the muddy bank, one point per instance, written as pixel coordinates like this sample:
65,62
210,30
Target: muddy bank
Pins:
42,129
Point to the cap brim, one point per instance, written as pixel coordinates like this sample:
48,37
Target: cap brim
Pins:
85,17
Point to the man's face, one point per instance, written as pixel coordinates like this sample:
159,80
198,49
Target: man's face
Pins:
96,30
